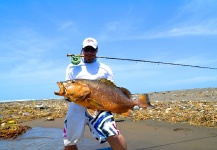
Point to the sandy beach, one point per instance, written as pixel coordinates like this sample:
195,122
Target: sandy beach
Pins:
149,134
185,119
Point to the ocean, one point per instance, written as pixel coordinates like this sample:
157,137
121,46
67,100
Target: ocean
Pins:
20,100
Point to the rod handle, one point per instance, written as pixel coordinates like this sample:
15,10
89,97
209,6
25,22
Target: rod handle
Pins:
70,55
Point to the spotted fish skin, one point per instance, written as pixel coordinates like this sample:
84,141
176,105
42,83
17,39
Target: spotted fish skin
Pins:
101,94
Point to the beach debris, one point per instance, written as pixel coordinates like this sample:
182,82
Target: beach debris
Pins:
199,113
3,125
136,108
11,129
40,106
101,94
11,122
50,118
167,110
13,114
182,129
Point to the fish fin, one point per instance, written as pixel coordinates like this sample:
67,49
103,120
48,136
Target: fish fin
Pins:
129,113
75,99
106,81
126,92
92,112
144,101
94,103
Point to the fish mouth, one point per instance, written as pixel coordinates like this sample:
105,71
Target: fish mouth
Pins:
61,91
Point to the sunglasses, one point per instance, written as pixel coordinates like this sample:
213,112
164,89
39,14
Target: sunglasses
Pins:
92,50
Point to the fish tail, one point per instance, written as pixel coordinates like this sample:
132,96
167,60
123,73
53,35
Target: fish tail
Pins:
144,101
129,113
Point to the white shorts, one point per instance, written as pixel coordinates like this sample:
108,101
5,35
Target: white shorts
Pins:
101,127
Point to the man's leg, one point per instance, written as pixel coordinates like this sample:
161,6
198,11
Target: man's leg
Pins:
117,142
71,147
103,127
73,126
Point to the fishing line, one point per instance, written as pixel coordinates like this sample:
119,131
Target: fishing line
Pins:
75,59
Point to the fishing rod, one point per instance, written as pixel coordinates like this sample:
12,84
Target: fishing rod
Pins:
75,59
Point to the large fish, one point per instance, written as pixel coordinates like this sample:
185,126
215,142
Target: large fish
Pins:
101,94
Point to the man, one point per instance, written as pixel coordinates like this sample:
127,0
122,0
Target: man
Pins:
103,126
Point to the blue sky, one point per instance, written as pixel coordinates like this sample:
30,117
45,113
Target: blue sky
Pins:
36,35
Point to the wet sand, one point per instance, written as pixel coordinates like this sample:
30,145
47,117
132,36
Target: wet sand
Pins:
149,134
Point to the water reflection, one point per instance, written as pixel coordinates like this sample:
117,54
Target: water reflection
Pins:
46,139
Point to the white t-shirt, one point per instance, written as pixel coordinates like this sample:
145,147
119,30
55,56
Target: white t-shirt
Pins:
91,71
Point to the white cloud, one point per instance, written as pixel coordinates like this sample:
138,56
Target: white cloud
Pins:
199,7
205,27
65,25
196,17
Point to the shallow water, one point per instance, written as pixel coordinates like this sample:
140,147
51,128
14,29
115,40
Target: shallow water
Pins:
46,138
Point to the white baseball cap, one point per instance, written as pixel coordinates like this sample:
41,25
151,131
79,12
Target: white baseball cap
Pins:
90,42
